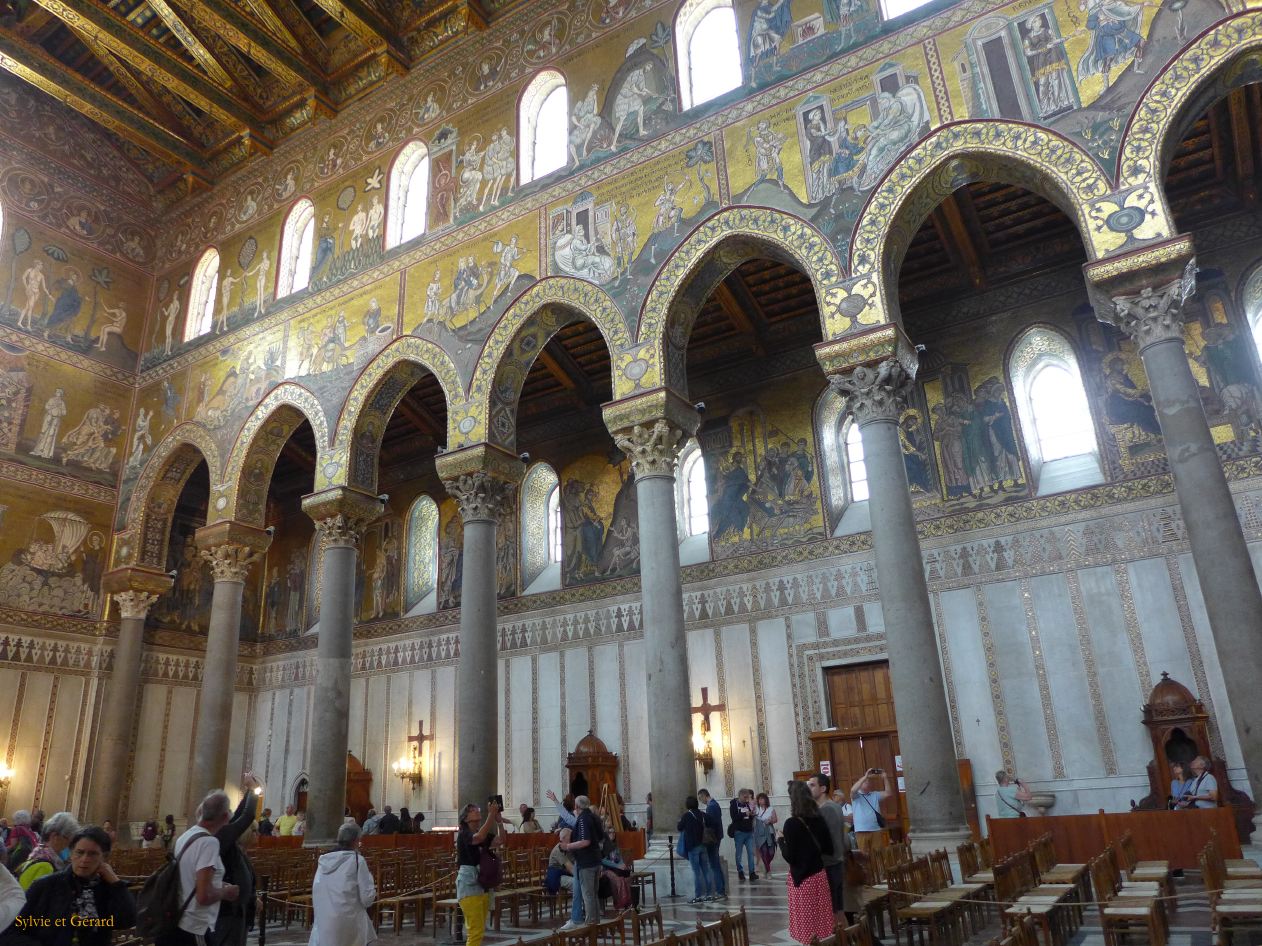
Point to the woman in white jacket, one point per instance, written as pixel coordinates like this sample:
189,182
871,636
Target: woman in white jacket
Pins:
12,898
341,895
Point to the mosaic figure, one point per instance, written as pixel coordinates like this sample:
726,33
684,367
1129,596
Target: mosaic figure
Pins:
54,411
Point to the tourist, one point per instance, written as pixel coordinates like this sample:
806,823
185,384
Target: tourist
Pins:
742,831
285,823
372,823
560,872
53,851
22,839
417,819
300,826
528,823
1201,790
89,890
201,875
1010,796
108,827
237,918
265,826
405,821
564,809
1178,784
341,894
846,900
586,845
149,836
389,823
476,834
865,803
168,832
12,898
764,831
691,845
806,842
714,837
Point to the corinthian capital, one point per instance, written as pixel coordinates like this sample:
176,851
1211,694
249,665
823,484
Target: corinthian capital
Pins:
1154,314
652,448
480,495
342,514
874,392
134,604
231,548
231,562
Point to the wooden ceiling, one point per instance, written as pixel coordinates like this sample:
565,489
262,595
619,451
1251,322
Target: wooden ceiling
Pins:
201,85
983,236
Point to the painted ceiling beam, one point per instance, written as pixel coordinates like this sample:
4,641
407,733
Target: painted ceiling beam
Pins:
155,61
742,311
188,39
567,372
367,24
33,65
287,21
239,29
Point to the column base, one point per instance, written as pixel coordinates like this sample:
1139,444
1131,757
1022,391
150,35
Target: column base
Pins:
925,842
1253,850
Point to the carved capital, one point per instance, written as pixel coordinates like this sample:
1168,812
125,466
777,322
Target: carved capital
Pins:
481,496
342,514
1154,314
230,562
134,604
231,548
653,449
875,392
1142,293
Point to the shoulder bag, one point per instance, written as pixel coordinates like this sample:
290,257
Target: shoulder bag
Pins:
880,818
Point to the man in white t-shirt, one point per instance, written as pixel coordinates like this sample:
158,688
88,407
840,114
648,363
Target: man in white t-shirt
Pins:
201,874
865,802
1200,791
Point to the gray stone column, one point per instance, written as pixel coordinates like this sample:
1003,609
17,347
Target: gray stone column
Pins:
340,517
230,548
1149,309
874,395
481,481
652,441
134,590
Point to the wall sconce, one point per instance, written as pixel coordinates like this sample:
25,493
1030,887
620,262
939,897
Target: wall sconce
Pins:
408,768
702,751
6,776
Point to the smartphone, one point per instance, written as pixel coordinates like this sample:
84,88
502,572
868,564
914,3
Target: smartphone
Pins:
499,800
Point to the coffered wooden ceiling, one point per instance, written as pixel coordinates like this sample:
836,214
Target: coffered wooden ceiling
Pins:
203,85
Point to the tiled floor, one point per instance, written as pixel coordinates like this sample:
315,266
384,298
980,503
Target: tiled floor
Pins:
766,905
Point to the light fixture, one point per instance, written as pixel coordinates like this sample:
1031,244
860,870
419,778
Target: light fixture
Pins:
702,751
6,776
408,768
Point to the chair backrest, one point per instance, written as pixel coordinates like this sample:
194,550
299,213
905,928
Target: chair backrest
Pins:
644,927
940,861
1025,932
735,929
1102,878
985,854
1126,852
967,853
860,934
901,884
1007,883
1212,874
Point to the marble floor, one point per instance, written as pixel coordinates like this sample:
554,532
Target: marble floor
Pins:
766,905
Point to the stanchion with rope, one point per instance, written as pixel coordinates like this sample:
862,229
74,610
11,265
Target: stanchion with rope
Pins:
670,853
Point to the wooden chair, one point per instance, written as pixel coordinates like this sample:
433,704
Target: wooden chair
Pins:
1140,872
1026,902
641,880
1230,909
859,934
1124,914
1050,871
917,911
971,870
643,926
1236,873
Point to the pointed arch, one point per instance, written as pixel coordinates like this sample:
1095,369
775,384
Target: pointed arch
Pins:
201,295
521,334
373,398
1224,57
716,247
952,156
297,248
253,458
151,504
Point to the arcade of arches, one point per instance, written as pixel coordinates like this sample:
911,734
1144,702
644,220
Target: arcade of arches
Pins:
908,389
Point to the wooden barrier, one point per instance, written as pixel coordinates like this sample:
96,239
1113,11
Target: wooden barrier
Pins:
1176,836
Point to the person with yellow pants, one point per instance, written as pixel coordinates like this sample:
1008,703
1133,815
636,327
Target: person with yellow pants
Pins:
476,835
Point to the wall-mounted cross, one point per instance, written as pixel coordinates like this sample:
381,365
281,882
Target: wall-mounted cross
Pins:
706,708
420,738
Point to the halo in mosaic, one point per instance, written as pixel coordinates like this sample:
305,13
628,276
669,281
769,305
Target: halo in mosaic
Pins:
372,401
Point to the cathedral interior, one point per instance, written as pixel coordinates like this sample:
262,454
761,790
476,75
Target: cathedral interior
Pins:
752,384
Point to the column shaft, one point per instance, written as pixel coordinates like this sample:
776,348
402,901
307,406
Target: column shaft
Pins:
219,677
1229,586
669,735
118,721
477,687
924,724
330,714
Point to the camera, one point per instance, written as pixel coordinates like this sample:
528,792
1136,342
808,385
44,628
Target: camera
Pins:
498,799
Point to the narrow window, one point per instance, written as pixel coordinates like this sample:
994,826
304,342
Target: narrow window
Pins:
709,51
201,299
422,569
856,469
543,126
895,8
696,504
1062,419
553,520
296,244
409,191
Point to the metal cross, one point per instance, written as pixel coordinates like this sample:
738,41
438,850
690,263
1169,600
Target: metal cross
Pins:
420,738
706,708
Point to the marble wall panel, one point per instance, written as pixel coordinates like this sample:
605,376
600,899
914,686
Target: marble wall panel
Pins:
1014,660
551,744
576,716
1158,615
974,699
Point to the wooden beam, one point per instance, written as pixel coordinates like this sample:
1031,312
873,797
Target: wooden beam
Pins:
420,417
35,66
740,315
156,62
963,241
567,371
744,297
188,39
1241,139
286,21
227,20
298,456
367,24
1217,145
137,89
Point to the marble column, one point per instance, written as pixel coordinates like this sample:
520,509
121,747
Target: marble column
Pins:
875,394
341,515
1143,296
230,548
134,591
481,480
650,431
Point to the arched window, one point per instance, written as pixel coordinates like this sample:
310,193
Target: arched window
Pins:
1056,421
894,8
296,244
709,50
201,296
409,190
856,469
1253,305
422,538
538,493
552,516
543,125
694,505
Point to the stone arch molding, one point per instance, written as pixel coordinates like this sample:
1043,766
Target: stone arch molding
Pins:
716,247
157,490
1024,155
371,401
1226,56
513,345
249,468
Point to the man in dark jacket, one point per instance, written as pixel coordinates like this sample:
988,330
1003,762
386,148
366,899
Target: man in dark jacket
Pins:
742,831
237,917
389,823
714,824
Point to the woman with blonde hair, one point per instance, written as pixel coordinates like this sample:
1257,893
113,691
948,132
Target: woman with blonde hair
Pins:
476,836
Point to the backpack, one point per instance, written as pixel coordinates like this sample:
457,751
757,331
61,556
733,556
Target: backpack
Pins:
158,906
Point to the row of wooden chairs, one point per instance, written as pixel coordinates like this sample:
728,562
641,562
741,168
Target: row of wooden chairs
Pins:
1235,892
857,934
926,902
1126,905
634,928
1031,884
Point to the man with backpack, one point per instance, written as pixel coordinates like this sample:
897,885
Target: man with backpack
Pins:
201,887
